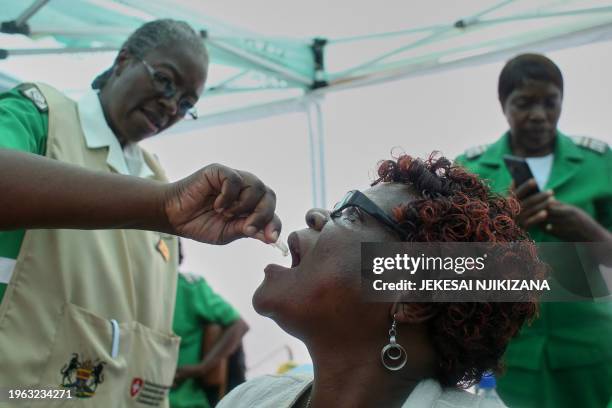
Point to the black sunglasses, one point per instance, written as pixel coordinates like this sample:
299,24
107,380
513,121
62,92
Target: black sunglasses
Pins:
356,198
166,88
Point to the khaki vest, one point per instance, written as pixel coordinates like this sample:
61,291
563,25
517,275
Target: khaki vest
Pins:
90,312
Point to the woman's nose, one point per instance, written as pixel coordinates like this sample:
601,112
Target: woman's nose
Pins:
316,218
537,113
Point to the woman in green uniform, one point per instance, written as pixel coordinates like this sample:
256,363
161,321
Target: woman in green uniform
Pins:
564,359
88,257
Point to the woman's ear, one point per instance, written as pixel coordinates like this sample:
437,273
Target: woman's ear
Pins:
412,313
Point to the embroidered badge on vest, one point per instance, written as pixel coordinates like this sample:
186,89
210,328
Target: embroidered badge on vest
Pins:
136,386
590,143
33,93
474,152
147,392
83,378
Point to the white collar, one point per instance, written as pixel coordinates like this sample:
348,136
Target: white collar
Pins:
428,393
128,161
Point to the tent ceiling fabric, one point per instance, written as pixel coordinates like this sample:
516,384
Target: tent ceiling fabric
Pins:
104,23
254,62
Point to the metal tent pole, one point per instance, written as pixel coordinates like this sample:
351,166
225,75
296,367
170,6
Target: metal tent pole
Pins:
584,36
317,152
30,11
244,114
262,63
55,51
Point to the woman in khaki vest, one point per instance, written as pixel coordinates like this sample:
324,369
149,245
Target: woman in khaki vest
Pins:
87,251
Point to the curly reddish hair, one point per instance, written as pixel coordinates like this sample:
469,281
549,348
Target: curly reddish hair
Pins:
455,205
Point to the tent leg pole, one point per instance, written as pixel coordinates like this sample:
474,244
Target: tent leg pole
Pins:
317,152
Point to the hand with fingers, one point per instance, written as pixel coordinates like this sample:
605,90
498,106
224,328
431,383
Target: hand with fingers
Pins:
218,205
534,203
573,224
562,220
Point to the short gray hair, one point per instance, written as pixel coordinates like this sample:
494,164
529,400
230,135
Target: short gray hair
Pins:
156,34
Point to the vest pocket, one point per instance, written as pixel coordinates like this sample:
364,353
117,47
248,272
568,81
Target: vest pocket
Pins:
110,364
151,373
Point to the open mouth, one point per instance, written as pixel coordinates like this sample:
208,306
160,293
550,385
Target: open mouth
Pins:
296,256
294,247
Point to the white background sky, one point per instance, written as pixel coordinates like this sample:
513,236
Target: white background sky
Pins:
448,112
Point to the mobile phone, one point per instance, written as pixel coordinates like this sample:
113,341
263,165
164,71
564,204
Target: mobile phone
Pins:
519,169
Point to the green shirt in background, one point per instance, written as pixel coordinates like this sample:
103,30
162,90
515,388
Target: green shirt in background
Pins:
22,127
196,306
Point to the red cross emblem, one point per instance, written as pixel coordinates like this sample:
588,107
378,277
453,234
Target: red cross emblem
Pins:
137,384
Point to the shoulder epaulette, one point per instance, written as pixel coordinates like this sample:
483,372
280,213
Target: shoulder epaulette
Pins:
595,145
474,152
32,92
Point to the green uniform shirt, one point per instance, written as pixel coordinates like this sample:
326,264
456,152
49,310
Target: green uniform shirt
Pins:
196,306
567,337
22,127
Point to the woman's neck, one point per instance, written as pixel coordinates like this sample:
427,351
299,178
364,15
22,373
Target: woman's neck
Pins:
347,376
521,150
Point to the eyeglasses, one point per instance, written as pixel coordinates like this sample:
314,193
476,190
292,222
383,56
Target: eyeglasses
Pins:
166,88
356,198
